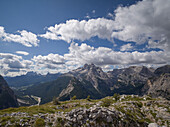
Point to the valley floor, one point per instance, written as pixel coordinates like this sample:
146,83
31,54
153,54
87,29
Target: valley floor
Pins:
116,111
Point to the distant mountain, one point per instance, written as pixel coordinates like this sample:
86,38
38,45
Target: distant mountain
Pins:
29,79
92,80
7,97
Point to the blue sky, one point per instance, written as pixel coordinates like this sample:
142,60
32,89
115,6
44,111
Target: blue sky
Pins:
61,35
34,16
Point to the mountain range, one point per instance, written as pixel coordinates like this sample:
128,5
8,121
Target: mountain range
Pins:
29,79
83,81
92,80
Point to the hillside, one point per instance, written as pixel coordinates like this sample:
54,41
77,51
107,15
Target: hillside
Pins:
80,89
119,111
48,90
7,97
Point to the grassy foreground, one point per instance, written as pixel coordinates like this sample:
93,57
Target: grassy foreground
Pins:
140,109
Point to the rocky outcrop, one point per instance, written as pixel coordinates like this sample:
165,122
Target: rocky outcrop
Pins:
97,116
127,111
7,97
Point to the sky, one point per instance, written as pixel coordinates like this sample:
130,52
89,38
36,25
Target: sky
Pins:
51,36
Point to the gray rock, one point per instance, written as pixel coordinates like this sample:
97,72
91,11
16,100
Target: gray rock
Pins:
109,119
80,117
153,125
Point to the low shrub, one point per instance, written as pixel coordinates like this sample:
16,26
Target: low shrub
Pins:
56,101
106,102
88,98
39,123
116,96
74,97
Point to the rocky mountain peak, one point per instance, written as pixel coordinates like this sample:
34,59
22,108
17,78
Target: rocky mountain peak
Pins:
31,73
93,75
148,72
89,66
136,68
96,72
88,70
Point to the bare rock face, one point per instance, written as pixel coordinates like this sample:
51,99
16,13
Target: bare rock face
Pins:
7,97
81,89
67,90
94,75
91,73
130,80
159,86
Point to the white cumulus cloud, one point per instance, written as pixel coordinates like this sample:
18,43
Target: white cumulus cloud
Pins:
50,63
105,56
147,21
141,22
12,65
78,55
80,30
24,37
144,21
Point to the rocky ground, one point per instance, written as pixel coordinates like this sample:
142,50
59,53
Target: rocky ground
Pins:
115,111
